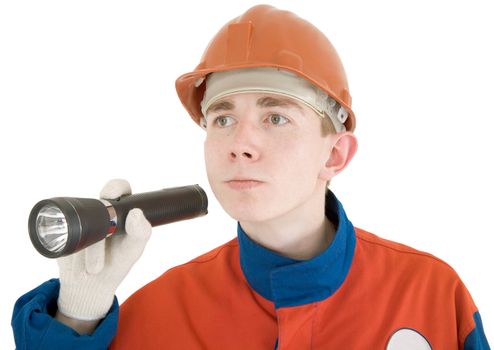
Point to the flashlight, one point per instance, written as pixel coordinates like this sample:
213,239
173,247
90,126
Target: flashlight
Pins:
64,225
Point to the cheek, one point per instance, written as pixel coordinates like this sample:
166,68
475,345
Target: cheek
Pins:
300,149
212,154
300,158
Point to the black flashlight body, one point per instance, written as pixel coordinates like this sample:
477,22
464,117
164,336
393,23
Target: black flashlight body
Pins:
91,220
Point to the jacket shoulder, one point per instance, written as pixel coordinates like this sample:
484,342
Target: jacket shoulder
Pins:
192,273
161,311
374,244
428,284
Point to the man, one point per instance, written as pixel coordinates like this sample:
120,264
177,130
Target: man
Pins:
272,95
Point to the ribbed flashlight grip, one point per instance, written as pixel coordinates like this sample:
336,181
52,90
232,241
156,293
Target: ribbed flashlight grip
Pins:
164,206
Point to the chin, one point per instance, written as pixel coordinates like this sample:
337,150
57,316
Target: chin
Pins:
245,209
246,215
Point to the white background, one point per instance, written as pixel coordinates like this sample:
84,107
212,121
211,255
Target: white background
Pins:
87,94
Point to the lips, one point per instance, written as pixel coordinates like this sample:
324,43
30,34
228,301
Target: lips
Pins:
243,183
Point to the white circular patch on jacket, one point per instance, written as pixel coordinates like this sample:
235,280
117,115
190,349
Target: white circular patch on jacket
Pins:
407,339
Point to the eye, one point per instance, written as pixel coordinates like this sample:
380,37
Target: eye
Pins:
223,121
277,119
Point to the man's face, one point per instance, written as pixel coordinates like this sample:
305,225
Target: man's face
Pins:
264,154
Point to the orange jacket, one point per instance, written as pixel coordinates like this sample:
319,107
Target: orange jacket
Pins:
363,292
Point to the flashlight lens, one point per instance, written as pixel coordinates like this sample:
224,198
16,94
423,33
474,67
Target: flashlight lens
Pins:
51,228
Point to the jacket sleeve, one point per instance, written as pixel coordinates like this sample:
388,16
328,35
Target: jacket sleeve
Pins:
35,328
468,320
476,339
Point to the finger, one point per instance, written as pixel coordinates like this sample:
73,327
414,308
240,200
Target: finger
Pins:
67,263
72,264
127,248
137,226
95,257
115,188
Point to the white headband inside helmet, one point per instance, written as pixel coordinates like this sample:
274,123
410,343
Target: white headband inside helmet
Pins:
272,80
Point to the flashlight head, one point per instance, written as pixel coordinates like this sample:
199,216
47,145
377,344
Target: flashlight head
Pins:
64,225
51,228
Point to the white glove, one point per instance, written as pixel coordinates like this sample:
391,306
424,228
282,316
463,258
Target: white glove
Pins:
89,278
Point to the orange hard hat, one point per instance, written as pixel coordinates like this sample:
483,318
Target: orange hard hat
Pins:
265,36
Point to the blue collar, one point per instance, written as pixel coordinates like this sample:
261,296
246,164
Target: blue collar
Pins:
290,282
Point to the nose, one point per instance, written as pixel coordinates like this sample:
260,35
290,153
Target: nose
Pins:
244,145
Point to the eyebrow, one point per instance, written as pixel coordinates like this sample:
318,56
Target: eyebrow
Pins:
261,102
277,102
221,106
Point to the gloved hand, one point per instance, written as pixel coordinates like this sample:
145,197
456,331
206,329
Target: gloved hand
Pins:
89,278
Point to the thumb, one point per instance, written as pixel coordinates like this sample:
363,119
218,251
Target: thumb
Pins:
115,188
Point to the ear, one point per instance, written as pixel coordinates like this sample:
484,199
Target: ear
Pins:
342,149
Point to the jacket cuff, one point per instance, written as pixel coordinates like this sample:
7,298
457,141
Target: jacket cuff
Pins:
35,327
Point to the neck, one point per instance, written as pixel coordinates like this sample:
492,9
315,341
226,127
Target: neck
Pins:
300,234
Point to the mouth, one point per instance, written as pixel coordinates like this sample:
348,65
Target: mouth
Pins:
243,184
